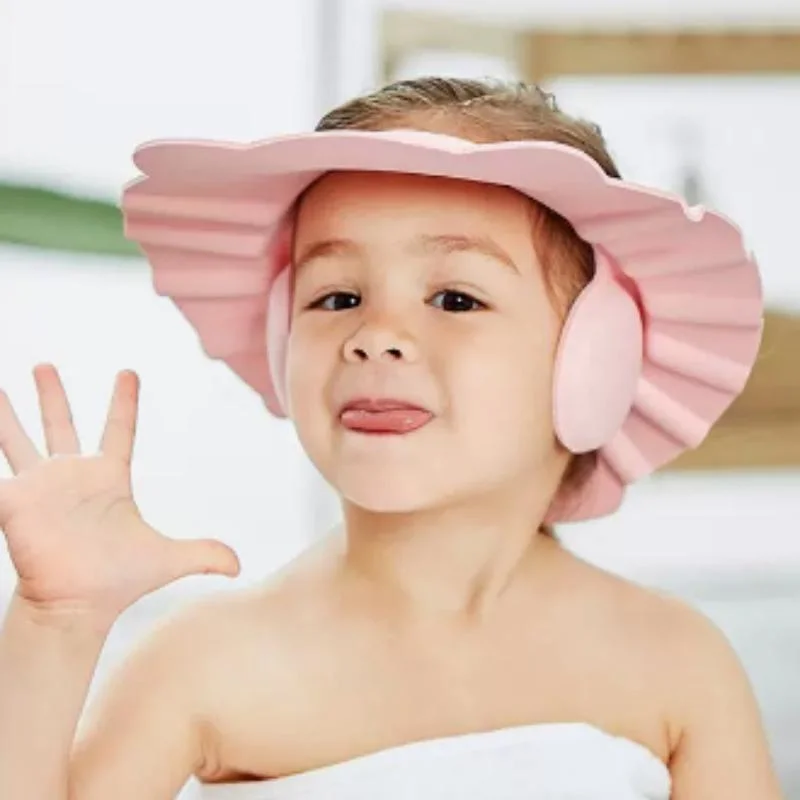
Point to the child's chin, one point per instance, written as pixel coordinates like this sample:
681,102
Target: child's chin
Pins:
390,496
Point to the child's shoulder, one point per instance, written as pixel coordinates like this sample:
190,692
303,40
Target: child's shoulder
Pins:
661,622
669,640
229,620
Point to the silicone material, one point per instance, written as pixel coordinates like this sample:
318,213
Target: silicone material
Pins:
653,351
598,363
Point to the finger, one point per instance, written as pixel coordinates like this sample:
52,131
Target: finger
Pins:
202,557
15,444
120,428
6,484
59,428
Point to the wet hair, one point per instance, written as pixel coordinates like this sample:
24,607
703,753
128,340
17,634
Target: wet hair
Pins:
487,111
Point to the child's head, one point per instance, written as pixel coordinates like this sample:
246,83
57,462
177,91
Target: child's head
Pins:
441,292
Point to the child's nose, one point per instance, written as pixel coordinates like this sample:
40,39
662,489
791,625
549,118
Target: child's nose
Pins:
380,341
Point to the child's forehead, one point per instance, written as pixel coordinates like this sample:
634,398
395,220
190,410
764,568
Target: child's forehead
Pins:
377,181
371,195
348,214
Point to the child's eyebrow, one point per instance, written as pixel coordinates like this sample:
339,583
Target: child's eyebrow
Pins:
325,248
459,243
441,243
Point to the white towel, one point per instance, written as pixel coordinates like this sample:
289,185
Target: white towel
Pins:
552,761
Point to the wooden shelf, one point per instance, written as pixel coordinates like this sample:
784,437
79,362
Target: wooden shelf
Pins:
404,33
713,52
758,444
541,53
773,391
762,426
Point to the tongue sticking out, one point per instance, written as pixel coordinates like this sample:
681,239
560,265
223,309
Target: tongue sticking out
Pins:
400,420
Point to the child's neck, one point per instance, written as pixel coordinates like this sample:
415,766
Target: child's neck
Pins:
459,562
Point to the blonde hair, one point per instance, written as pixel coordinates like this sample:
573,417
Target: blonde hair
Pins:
487,111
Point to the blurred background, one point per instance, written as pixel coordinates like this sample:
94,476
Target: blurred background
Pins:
698,96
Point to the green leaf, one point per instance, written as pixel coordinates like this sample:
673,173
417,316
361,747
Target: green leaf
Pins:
52,220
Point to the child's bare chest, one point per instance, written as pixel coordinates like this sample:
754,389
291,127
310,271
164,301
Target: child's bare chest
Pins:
347,694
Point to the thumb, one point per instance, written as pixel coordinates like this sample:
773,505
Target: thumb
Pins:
203,557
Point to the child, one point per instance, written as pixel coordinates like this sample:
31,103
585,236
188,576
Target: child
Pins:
478,330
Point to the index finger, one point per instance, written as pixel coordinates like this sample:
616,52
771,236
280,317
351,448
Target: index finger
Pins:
120,428
18,447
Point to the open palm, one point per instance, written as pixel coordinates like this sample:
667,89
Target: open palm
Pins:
74,533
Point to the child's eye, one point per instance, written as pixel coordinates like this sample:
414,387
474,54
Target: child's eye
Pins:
336,301
456,301
447,300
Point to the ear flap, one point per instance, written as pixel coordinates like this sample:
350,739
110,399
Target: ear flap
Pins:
279,307
598,362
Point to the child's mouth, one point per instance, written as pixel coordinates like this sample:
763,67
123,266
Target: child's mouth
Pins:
384,416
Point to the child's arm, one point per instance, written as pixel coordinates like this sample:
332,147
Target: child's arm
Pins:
723,752
45,673
141,740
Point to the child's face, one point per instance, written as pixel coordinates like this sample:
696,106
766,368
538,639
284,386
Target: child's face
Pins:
465,334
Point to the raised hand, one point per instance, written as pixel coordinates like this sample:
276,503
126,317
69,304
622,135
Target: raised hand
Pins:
74,533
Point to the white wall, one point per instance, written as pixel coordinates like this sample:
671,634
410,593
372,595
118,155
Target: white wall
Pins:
91,79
